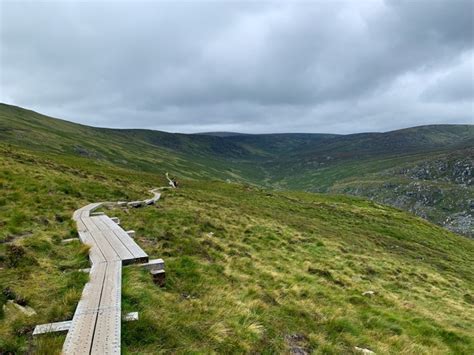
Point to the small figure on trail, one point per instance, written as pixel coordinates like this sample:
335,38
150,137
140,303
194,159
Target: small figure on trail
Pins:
175,182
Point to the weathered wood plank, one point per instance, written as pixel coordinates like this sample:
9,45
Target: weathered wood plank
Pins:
122,251
69,240
96,213
52,327
80,335
138,254
107,329
130,317
100,241
116,244
155,264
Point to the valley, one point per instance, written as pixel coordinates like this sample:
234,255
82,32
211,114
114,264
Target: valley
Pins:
425,170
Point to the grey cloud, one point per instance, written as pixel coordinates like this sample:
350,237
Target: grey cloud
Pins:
242,66
456,84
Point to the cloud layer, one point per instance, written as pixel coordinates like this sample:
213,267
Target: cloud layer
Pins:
315,66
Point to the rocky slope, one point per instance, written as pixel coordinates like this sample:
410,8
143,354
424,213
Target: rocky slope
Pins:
440,189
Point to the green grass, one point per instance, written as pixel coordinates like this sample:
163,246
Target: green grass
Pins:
249,270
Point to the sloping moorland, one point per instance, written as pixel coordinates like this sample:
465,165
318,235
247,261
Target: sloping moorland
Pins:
425,170
249,269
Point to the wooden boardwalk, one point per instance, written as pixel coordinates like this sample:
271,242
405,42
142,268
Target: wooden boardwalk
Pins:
95,327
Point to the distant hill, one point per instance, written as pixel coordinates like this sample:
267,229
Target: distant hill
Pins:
374,165
221,134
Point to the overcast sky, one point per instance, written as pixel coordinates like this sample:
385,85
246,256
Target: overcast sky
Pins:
274,66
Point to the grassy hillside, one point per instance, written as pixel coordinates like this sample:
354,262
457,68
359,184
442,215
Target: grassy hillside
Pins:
369,164
142,150
248,270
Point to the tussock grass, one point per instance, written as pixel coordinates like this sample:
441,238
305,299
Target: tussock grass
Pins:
248,270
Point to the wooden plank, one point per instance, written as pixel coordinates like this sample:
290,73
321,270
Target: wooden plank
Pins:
86,210
156,195
76,215
135,204
107,329
120,249
80,335
130,317
53,327
96,213
138,254
80,225
98,221
69,240
100,240
155,264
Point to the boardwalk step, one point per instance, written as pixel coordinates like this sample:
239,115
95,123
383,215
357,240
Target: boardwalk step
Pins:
97,213
66,325
69,240
130,317
154,264
52,327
